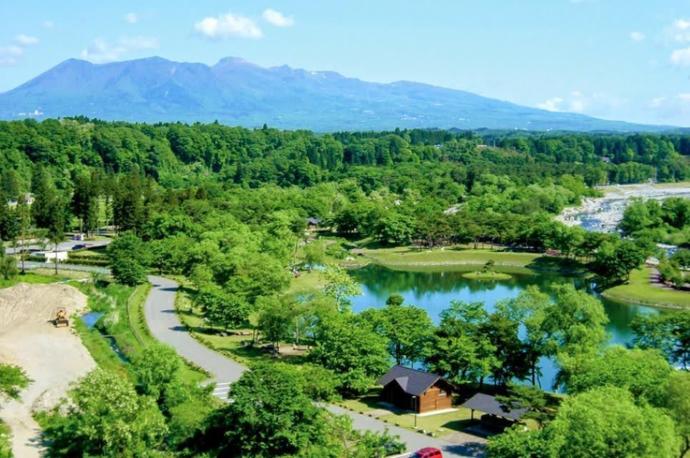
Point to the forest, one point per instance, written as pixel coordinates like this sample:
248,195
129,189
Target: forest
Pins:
226,209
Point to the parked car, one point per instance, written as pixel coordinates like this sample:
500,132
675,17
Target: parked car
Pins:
428,452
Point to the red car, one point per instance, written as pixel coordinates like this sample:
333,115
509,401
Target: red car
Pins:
428,452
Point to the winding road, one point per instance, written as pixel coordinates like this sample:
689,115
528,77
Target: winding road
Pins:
165,326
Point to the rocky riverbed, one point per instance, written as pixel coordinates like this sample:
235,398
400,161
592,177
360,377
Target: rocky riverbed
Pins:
602,214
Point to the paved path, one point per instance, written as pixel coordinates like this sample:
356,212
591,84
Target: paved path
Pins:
165,326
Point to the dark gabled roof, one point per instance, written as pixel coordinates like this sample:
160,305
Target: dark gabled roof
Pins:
412,381
489,404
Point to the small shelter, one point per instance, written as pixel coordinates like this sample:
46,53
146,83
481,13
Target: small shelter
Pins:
497,413
313,223
415,390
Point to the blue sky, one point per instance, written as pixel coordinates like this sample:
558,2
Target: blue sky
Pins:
614,59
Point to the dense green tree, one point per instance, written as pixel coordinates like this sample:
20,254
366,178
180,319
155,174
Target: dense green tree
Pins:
644,373
354,352
270,416
220,308
106,417
606,422
574,322
615,260
601,422
667,332
677,403
128,258
156,367
530,309
276,317
394,229
85,202
459,349
12,380
406,327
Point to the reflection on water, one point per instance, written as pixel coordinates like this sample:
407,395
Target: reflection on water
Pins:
433,291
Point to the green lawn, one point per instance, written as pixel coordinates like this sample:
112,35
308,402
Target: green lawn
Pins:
640,291
306,282
439,424
408,257
42,276
235,344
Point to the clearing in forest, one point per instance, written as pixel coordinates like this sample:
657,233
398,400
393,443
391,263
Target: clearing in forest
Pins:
52,357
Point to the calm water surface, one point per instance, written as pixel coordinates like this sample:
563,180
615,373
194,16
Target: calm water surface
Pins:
433,291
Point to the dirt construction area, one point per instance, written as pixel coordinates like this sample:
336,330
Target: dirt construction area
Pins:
52,357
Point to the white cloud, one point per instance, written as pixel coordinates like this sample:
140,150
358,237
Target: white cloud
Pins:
674,109
657,102
101,51
637,36
277,18
131,18
227,26
48,24
25,40
577,106
552,104
681,57
594,104
679,31
10,54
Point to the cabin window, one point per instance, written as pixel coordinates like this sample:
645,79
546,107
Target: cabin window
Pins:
441,394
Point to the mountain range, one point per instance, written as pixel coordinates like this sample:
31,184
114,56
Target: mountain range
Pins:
237,92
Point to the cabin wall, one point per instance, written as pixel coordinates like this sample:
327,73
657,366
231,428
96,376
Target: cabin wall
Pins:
435,398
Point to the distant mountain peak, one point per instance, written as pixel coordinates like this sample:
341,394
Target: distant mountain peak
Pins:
237,92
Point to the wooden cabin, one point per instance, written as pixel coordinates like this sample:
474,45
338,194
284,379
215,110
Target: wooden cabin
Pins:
415,390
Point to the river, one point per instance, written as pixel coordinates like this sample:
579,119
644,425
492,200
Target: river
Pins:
433,291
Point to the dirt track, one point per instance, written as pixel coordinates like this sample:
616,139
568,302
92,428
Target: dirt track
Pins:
52,357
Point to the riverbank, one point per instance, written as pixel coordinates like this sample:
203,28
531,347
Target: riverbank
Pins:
640,291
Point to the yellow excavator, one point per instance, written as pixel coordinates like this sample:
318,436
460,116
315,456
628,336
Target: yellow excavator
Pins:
61,317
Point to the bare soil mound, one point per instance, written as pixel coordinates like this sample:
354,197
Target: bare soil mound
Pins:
52,357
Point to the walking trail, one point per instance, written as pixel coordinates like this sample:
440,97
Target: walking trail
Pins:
166,326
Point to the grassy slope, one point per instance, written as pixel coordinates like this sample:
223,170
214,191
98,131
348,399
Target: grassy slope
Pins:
125,322
639,291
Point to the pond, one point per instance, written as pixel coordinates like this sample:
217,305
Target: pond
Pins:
433,291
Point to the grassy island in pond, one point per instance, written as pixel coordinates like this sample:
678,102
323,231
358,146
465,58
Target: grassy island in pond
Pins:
486,276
